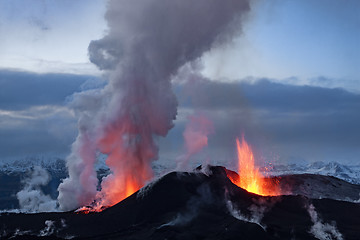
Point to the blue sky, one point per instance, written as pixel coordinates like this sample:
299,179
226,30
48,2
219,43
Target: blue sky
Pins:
286,63
50,36
302,39
282,39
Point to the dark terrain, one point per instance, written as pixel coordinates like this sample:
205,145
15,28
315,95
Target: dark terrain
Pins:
203,204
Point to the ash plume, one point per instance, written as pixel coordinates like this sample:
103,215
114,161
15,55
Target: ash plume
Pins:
147,42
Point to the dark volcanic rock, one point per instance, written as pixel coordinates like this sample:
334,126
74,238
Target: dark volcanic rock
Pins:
203,204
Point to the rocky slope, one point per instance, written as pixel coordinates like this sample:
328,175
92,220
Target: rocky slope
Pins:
203,204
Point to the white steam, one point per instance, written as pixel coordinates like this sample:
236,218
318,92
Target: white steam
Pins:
238,215
49,228
147,42
18,232
257,210
320,230
31,197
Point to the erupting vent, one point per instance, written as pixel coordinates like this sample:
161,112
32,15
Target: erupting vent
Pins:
250,178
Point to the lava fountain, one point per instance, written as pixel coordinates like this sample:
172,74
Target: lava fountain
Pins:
250,178
147,42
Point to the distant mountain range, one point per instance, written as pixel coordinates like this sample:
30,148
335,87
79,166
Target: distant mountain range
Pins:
26,164
349,173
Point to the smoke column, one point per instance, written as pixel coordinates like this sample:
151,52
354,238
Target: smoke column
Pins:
31,197
195,135
147,42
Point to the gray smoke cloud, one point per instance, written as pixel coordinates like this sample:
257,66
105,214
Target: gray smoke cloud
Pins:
147,42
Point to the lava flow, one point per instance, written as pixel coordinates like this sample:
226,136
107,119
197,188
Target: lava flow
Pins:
123,187
250,178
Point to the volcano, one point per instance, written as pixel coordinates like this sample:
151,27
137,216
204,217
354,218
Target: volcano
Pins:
203,204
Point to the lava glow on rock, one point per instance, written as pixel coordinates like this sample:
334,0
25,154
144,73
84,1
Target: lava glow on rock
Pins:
250,178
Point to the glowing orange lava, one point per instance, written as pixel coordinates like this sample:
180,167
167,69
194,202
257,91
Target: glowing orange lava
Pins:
121,190
121,187
250,178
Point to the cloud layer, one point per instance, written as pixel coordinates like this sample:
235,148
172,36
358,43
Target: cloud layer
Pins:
34,117
282,121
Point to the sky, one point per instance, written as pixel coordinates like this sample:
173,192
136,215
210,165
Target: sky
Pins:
289,81
49,35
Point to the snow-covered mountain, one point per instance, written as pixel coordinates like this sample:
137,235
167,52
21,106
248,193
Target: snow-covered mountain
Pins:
23,165
12,175
51,164
349,173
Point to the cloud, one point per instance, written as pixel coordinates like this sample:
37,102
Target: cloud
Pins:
20,90
36,131
285,97
281,121
35,119
268,94
351,85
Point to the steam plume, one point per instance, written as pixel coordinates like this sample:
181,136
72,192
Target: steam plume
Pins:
196,137
321,230
257,210
147,42
31,197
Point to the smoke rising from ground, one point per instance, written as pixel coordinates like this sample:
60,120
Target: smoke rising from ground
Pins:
196,137
31,197
49,228
147,42
257,210
321,230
